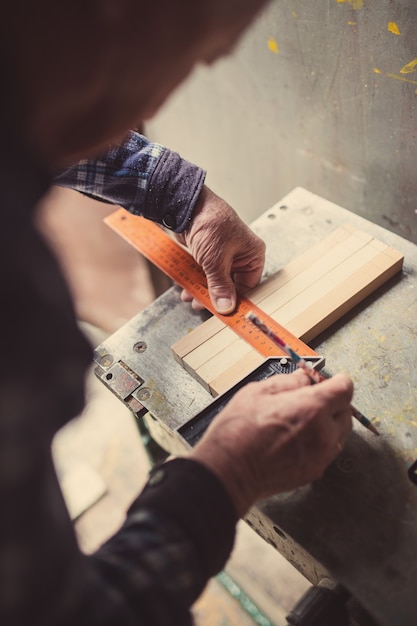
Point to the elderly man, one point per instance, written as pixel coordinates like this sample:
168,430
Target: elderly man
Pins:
75,78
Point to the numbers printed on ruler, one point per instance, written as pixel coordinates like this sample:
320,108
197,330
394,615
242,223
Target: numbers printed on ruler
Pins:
159,248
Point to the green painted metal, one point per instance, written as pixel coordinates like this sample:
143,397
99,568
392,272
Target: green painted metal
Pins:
244,600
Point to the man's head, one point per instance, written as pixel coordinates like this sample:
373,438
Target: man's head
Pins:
80,74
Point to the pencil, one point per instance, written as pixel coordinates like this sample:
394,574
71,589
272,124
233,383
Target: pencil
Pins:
301,363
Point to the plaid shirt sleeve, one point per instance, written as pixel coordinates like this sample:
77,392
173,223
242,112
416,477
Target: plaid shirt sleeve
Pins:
143,177
177,533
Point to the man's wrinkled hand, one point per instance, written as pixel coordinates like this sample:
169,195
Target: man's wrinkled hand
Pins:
231,255
276,435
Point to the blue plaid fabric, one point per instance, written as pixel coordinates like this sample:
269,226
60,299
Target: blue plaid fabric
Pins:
121,174
143,177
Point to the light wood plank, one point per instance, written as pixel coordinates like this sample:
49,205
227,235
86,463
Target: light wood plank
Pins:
345,296
308,295
198,349
206,331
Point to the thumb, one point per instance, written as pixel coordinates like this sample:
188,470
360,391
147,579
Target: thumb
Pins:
222,293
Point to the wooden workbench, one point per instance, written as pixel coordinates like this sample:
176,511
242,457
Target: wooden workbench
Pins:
359,522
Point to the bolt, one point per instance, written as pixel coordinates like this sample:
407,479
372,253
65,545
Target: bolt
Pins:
106,360
144,394
140,346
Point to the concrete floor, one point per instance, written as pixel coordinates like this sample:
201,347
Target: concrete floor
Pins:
100,458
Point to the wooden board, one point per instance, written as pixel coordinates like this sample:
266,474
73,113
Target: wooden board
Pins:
306,296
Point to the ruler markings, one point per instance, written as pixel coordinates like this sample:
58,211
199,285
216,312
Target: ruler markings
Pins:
159,248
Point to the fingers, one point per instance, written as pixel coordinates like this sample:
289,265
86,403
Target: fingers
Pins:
222,293
277,434
335,419
224,304
187,297
336,394
231,255
221,289
249,278
320,414
284,382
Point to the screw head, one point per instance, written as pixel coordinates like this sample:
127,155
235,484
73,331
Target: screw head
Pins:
144,394
140,346
106,360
